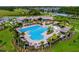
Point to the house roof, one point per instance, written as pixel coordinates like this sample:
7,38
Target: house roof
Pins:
34,17
65,29
21,18
4,19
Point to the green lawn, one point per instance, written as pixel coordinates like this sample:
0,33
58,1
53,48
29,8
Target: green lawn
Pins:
6,44
69,45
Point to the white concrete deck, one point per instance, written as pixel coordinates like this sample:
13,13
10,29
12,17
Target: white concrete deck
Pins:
33,42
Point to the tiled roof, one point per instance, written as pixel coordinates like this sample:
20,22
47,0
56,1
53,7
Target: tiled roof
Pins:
21,18
65,29
34,17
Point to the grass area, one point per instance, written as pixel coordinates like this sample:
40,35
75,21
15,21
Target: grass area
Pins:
71,45
6,38
8,13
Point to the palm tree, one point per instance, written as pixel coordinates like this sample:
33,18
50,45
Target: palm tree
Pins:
42,45
54,36
50,30
50,41
20,24
23,33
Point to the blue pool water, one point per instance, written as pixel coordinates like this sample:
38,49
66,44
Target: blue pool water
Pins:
35,32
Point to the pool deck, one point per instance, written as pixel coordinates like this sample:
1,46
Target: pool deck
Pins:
27,36
37,42
33,42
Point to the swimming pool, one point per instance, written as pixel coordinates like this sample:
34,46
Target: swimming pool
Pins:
35,31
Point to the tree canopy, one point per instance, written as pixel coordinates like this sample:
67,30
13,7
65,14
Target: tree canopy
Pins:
70,10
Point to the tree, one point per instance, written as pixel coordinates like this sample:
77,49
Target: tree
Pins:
42,45
70,10
22,12
50,41
34,12
54,36
19,24
50,30
23,33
